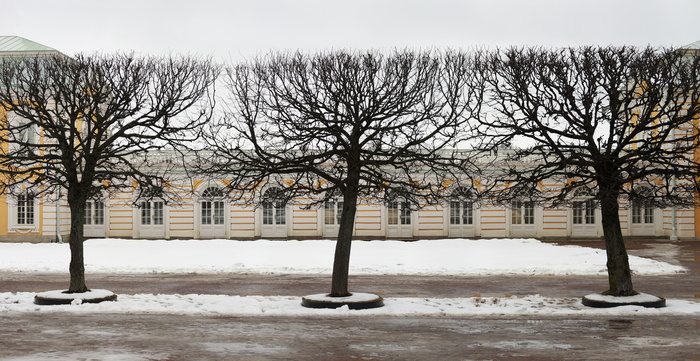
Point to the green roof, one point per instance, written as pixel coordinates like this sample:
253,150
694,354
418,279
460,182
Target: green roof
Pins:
18,45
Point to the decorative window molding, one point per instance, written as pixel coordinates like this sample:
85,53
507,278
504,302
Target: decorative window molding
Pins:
23,211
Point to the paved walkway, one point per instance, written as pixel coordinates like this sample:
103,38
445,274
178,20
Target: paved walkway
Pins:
144,337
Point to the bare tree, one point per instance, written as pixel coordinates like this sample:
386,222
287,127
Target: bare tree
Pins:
91,123
358,124
619,121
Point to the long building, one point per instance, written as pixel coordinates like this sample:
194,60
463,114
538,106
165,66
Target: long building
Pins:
203,210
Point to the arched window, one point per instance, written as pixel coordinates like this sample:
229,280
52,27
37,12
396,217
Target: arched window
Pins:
212,206
212,193
583,206
212,212
274,210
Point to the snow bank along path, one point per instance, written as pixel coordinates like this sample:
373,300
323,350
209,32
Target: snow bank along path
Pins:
224,305
426,257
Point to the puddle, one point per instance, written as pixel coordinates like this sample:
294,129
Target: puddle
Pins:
524,345
665,252
372,347
620,324
241,348
107,354
635,342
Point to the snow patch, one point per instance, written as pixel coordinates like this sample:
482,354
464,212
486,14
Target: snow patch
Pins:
223,305
62,295
462,257
641,297
355,297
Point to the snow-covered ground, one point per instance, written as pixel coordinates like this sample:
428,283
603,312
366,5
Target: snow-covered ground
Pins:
427,257
438,257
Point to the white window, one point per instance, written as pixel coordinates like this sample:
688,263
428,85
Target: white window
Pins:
399,212
523,212
274,210
584,212
23,215
642,212
25,139
25,209
152,212
461,207
212,209
333,212
94,212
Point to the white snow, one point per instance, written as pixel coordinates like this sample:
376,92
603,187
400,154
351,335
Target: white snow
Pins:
60,295
641,297
426,257
430,257
355,297
225,305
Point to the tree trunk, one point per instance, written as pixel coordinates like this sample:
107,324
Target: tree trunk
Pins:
341,262
77,264
619,274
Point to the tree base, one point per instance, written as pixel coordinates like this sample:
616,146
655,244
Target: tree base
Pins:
64,298
605,301
356,301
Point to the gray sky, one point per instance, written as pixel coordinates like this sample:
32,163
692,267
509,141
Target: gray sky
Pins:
242,28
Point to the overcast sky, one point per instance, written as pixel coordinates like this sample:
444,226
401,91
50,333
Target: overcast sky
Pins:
243,28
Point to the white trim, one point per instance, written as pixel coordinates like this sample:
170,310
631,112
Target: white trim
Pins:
12,212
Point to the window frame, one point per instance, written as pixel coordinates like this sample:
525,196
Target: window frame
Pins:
28,210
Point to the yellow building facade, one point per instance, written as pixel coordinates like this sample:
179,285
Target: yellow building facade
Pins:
202,209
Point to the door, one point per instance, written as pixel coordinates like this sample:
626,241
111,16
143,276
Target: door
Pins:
213,220
584,221
332,211
212,213
274,222
643,220
152,219
94,225
461,218
399,220
522,220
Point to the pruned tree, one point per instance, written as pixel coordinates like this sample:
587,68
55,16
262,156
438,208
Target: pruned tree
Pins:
94,122
358,124
621,122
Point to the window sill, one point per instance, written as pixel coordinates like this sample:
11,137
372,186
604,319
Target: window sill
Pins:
23,229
